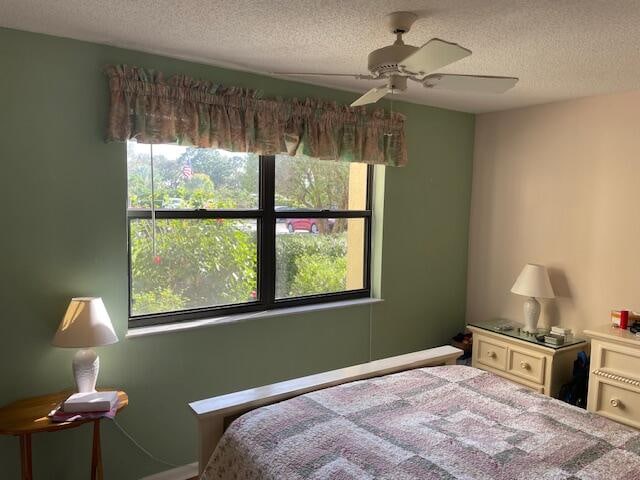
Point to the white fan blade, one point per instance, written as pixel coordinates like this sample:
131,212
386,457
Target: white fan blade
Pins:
315,74
372,96
433,55
470,83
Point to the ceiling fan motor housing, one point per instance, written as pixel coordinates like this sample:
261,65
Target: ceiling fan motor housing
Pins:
384,61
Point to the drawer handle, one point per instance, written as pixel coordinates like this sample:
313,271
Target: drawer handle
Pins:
615,402
491,354
619,378
525,366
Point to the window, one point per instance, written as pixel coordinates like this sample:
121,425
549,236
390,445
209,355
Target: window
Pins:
237,232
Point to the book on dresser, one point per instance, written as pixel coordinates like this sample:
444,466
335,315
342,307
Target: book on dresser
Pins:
562,331
90,402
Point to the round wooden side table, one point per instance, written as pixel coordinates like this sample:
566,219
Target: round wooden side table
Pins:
30,415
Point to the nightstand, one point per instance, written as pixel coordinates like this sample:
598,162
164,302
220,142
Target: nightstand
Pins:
614,379
521,358
24,417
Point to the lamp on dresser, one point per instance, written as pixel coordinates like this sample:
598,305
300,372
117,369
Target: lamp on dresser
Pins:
86,324
533,282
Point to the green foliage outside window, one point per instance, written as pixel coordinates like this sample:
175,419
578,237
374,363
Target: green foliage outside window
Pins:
198,263
310,264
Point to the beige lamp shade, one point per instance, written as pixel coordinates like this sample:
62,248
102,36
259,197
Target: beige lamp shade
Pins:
86,324
533,281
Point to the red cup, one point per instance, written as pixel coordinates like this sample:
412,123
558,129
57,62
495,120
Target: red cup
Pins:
624,318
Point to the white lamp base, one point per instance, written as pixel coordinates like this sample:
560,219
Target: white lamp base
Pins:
86,365
531,315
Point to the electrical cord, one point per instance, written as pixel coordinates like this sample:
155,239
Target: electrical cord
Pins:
370,332
140,447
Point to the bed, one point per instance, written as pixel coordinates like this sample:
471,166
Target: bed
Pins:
443,422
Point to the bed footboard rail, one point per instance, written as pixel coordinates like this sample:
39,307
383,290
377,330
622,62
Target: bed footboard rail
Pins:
216,413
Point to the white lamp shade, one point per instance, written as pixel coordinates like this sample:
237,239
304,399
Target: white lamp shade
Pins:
533,281
86,324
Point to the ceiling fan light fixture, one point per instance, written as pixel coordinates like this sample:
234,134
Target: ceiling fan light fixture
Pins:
397,83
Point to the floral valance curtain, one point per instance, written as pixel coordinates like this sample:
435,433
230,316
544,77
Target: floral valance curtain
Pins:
146,107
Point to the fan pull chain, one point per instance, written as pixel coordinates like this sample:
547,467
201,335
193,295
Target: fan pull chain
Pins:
156,257
390,134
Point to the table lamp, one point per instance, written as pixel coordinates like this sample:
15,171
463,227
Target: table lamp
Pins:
533,282
86,324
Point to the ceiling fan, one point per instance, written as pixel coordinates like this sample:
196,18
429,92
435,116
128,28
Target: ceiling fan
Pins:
398,62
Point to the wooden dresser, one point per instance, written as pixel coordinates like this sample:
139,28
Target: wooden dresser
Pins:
522,359
614,381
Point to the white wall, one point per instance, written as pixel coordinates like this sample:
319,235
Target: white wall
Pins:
557,184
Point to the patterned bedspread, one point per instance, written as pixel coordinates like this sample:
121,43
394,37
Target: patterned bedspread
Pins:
449,422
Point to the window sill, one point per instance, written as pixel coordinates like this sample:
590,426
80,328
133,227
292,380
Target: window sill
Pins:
279,312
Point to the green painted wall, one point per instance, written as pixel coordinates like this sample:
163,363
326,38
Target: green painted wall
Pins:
63,197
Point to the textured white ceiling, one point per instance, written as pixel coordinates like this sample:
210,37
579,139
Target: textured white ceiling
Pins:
559,48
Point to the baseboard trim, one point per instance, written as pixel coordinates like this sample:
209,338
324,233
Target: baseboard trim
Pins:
185,472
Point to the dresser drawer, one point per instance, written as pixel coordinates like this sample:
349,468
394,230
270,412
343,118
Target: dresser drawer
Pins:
617,358
618,403
527,365
492,354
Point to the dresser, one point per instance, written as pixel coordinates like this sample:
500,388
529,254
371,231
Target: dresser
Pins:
614,381
521,358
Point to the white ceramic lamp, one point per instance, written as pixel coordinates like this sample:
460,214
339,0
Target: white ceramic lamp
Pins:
86,324
533,282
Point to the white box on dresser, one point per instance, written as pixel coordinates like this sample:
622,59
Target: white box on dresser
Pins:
614,379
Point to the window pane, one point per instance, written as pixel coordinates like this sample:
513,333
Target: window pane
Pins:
330,260
303,182
198,263
188,177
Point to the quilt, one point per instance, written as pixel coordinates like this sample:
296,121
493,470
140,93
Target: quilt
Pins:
451,422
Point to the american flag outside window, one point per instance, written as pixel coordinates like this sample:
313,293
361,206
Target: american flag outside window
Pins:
187,171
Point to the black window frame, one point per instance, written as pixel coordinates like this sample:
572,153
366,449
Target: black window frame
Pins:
266,217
